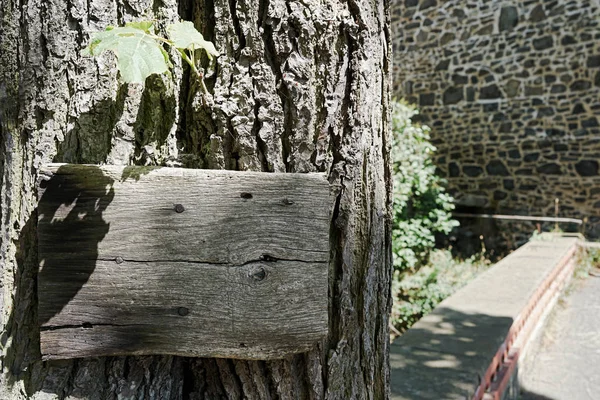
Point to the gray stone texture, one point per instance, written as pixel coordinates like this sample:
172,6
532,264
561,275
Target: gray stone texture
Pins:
516,89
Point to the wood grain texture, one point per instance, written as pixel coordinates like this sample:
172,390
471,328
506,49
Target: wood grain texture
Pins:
138,260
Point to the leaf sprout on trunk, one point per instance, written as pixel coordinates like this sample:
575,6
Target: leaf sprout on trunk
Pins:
140,53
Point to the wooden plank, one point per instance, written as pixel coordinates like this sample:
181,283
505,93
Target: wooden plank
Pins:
286,216
259,310
203,263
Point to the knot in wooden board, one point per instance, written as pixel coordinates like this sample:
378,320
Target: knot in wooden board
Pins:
258,274
116,259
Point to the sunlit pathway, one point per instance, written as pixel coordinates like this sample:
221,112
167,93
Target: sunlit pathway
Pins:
564,363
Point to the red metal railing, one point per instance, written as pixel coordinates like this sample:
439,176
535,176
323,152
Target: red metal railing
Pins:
497,376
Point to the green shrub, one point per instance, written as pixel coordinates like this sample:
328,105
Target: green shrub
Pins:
588,260
417,294
422,208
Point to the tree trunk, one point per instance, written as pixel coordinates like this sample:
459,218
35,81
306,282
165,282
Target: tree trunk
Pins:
300,86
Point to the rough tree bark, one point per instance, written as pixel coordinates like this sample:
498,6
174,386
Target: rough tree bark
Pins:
300,86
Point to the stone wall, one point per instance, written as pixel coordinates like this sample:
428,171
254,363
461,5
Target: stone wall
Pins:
511,90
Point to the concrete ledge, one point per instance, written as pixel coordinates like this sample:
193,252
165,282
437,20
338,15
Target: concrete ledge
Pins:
473,337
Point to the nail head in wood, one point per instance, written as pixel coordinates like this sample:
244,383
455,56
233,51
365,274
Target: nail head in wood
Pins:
179,208
183,311
119,260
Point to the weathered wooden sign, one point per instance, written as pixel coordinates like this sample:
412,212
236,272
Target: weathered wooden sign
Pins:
207,263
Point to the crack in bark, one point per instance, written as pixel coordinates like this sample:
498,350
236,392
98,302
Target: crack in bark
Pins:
299,370
362,273
292,34
271,57
357,14
336,235
196,122
237,29
229,379
68,388
188,383
385,304
230,142
185,11
261,146
124,8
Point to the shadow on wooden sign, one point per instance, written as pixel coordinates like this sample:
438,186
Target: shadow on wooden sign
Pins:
137,260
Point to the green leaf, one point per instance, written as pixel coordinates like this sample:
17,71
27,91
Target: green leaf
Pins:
183,35
138,53
146,26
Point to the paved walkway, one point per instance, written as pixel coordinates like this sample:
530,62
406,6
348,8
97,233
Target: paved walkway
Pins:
565,360
444,355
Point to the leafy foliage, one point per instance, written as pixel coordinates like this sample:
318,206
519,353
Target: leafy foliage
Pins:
140,52
184,36
421,206
588,263
415,295
139,55
422,209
